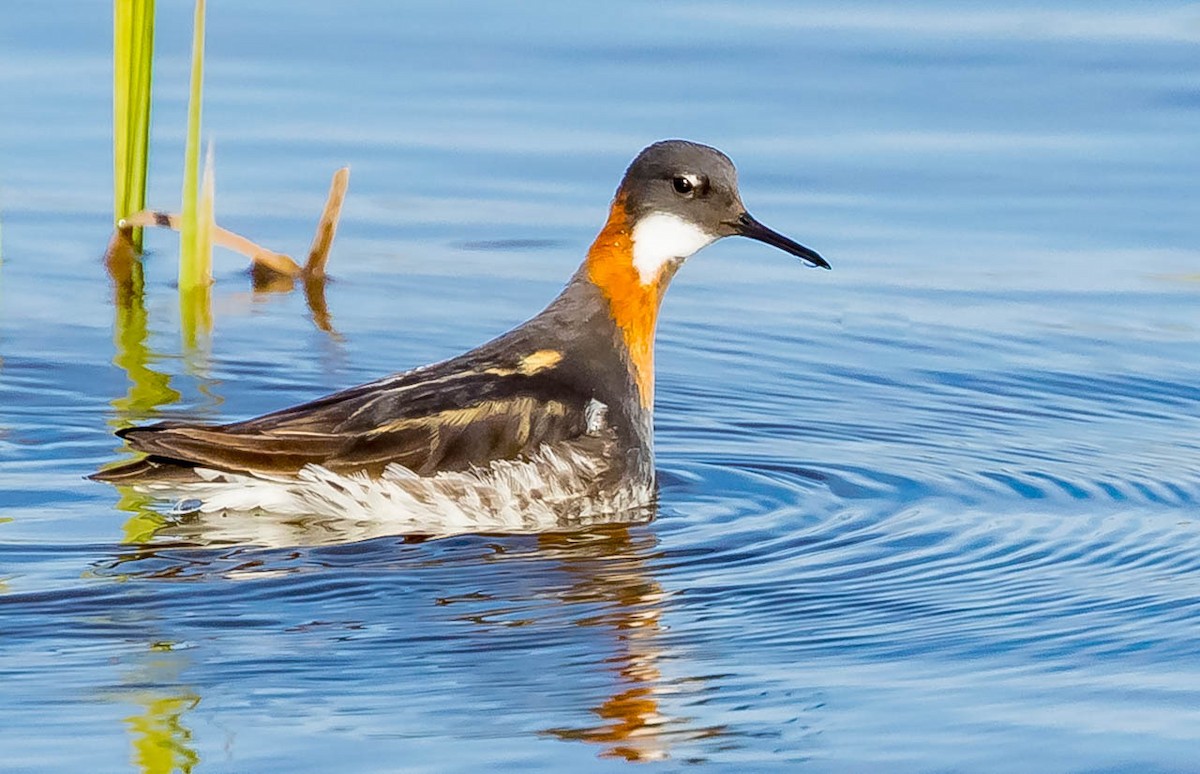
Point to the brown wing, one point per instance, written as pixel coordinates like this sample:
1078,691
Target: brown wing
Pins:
451,416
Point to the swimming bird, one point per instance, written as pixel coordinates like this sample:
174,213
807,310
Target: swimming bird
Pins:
557,410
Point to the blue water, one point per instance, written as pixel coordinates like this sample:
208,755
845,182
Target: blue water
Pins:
934,510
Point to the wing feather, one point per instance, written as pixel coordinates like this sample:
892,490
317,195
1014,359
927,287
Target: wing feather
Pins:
451,416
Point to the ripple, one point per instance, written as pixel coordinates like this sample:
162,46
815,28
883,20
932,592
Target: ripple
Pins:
1007,429
935,579
935,509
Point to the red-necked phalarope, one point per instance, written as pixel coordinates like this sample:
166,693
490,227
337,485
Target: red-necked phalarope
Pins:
554,412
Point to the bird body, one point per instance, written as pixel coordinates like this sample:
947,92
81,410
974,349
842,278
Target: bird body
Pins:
554,415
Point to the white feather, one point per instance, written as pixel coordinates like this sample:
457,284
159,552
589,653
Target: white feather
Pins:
596,415
660,238
552,490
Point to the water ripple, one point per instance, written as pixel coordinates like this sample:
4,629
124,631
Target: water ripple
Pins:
1026,582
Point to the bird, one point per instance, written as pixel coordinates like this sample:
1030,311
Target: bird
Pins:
555,412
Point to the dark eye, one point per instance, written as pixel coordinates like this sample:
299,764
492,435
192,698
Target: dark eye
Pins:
682,185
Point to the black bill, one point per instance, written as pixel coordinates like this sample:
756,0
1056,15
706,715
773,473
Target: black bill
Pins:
747,226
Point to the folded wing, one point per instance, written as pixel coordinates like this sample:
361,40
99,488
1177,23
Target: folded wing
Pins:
451,416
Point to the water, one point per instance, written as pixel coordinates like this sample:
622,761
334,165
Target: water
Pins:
933,510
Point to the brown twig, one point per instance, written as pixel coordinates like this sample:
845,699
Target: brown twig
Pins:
318,253
270,272
273,261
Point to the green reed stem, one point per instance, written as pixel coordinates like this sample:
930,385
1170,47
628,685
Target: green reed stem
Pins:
195,232
133,57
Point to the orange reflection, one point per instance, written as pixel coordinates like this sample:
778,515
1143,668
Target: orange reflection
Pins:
612,567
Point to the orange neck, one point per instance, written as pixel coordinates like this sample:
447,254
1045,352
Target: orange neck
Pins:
633,306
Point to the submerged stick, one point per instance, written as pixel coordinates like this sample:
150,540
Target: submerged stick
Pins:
270,271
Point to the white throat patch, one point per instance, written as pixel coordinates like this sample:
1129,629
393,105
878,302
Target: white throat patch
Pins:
660,238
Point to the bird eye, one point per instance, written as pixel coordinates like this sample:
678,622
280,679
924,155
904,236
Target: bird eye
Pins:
682,185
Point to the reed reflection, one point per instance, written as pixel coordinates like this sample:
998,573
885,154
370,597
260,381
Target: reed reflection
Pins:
160,739
149,390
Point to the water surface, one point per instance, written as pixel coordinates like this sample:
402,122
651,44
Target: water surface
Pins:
933,510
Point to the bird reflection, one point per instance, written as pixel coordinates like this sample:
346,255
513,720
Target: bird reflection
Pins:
613,571
599,579
611,567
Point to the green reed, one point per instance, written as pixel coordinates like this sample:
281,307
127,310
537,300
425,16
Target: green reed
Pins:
195,230
133,57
